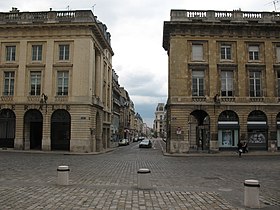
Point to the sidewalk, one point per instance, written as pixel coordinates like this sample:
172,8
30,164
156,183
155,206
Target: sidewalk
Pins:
223,153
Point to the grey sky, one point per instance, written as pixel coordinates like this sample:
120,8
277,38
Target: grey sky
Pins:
136,32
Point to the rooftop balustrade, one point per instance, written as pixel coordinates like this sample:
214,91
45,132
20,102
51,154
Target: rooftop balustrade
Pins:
46,17
220,16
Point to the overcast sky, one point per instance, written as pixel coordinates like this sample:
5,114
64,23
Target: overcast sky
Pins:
136,28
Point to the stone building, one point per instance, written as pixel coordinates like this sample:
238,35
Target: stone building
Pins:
55,81
159,121
224,80
116,111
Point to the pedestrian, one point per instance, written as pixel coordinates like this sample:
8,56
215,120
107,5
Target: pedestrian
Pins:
245,147
240,148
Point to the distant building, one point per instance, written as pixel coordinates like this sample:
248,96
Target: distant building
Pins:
159,121
224,80
56,81
117,106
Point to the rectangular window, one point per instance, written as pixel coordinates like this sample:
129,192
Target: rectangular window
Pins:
254,53
64,52
197,52
227,83
62,83
255,84
35,83
278,54
225,52
10,53
197,83
37,52
9,83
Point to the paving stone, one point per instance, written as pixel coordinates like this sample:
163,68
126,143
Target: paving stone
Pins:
109,181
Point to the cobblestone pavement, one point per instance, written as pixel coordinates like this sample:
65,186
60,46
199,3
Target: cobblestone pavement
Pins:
109,181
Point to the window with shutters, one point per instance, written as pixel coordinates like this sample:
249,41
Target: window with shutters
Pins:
197,52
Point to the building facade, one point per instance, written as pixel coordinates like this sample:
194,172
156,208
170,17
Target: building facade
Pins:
224,80
116,112
55,81
159,122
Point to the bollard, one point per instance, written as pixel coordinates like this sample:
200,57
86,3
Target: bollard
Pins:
63,175
251,193
144,178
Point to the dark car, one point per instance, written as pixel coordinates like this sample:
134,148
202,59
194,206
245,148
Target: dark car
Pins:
146,143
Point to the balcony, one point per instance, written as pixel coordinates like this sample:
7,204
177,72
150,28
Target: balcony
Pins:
256,99
7,98
227,99
199,99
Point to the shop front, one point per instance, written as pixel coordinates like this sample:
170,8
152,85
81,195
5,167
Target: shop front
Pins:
228,130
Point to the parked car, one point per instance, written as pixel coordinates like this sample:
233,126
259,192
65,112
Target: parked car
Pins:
123,142
140,138
135,139
146,143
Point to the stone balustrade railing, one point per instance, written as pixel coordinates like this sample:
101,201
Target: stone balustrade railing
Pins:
50,16
220,16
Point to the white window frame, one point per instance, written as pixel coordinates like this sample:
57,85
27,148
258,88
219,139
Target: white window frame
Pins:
11,53
37,52
198,80
63,83
225,55
254,52
255,79
227,83
63,52
35,83
9,83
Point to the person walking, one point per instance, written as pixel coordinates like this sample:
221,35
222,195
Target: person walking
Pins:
240,148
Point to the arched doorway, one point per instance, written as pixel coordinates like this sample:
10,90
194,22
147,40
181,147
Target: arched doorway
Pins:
98,135
7,128
228,130
199,135
33,128
60,130
257,130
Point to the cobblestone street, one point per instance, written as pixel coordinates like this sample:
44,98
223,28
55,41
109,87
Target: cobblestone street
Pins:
109,180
